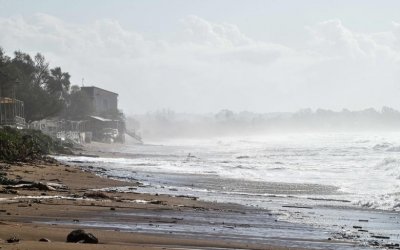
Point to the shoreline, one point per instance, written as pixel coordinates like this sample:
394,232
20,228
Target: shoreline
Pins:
111,215
37,214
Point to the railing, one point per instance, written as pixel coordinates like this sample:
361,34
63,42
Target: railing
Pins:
134,135
13,122
11,112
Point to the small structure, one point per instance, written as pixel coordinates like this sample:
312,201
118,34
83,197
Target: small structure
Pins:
104,101
11,112
11,109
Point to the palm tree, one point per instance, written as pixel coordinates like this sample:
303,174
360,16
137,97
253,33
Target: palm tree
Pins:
58,83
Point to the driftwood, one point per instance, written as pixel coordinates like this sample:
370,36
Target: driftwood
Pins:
43,186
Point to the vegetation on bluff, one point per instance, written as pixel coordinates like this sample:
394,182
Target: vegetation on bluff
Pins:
26,145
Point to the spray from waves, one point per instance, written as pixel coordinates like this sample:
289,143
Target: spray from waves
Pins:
393,149
384,202
382,146
387,175
389,167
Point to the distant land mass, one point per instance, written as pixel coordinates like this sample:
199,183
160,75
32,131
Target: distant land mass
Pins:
167,123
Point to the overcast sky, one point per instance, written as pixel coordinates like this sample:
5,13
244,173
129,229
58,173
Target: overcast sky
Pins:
202,56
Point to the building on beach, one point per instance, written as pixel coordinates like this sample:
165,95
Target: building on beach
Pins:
104,102
104,124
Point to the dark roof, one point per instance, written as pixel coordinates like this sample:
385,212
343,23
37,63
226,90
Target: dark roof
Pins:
93,87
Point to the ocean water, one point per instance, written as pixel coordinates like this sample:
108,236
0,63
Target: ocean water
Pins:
345,169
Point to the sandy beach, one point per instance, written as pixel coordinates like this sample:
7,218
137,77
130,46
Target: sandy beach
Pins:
31,213
28,213
80,197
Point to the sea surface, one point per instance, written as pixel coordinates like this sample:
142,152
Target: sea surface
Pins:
314,178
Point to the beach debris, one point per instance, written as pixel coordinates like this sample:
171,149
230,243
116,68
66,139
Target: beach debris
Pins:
80,236
392,245
293,206
373,243
8,191
44,240
13,239
42,186
187,197
96,195
156,202
380,237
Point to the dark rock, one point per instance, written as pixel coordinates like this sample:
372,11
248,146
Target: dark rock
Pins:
13,239
82,237
44,240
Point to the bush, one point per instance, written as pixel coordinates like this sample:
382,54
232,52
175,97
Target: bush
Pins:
25,145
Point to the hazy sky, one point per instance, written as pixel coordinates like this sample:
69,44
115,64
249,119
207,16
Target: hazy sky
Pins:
203,56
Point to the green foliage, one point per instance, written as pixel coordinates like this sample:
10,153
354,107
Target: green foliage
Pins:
58,83
24,145
44,91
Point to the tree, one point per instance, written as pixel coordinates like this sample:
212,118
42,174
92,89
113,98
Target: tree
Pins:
41,74
7,74
58,83
31,76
